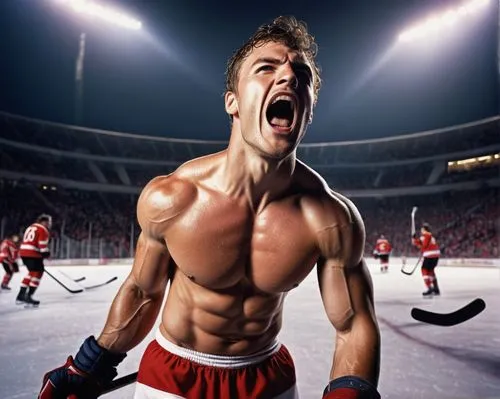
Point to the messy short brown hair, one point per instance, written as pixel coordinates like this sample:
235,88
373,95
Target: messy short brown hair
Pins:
286,30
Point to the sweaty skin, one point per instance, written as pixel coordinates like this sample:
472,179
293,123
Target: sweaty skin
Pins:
235,231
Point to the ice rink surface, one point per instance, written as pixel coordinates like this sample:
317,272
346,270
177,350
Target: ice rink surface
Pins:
419,361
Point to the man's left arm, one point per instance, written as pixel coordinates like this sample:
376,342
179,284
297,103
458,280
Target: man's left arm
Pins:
347,294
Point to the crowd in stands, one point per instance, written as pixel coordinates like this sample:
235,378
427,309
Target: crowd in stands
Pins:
465,223
76,214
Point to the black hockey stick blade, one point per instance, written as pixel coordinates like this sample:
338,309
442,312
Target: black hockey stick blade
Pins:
102,284
120,383
450,319
63,285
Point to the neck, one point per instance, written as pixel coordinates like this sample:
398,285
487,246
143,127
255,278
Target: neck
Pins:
257,177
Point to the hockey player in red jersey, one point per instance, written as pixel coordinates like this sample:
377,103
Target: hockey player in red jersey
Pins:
8,256
430,252
34,249
382,251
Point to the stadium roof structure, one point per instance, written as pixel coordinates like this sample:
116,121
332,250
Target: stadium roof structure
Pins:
94,159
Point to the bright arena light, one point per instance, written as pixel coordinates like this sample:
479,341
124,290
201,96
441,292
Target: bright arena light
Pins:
436,23
105,13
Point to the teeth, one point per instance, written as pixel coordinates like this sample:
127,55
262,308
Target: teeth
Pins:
285,98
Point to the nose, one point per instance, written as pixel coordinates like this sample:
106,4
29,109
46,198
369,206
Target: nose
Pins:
287,76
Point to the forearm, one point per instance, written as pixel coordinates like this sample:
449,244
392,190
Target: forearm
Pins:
357,352
131,317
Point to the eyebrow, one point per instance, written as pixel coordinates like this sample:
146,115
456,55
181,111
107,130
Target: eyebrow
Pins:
267,60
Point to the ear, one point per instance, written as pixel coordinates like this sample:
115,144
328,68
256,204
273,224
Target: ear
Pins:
310,118
231,103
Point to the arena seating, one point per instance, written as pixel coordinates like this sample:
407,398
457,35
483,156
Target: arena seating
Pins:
89,180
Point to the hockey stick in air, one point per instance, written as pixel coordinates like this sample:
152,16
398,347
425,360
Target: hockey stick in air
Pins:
413,212
100,285
63,285
450,319
410,272
120,383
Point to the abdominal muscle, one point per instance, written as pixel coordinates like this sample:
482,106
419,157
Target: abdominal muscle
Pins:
235,321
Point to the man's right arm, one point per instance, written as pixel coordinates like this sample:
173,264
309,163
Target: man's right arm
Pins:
137,304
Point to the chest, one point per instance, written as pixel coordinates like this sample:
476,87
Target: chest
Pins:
219,243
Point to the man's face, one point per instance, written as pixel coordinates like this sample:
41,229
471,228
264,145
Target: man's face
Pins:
274,100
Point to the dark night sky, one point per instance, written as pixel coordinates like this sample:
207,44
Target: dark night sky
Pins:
168,79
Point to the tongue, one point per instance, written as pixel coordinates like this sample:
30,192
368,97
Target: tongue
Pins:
281,122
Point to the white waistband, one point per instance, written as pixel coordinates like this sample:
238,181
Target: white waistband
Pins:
208,359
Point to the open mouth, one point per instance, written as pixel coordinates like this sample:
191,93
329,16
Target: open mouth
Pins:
281,112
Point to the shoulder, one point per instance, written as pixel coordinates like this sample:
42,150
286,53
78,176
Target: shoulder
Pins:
162,199
333,218
322,205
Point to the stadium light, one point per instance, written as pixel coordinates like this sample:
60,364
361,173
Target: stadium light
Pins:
98,11
103,12
437,23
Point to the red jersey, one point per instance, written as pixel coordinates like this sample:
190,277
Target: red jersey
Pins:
428,245
8,251
35,241
383,247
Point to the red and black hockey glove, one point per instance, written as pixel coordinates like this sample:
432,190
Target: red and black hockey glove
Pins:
350,387
83,377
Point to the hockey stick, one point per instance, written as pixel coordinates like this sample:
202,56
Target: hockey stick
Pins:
76,280
410,272
413,212
100,285
120,383
62,285
450,319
